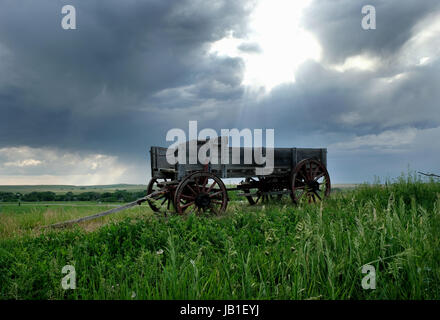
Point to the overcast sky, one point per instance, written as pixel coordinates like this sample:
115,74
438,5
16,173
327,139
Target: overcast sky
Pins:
83,106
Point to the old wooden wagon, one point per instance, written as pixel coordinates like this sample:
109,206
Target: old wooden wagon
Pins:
297,172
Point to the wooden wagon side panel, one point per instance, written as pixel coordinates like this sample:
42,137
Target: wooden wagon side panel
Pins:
285,159
312,153
160,168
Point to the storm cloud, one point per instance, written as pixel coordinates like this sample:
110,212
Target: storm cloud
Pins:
337,26
105,92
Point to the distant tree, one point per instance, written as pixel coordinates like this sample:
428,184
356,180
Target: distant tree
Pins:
69,196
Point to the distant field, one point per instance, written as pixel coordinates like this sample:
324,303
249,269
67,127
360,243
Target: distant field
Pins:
344,186
73,189
271,251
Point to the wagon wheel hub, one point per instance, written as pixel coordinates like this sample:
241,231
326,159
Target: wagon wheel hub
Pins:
203,200
313,185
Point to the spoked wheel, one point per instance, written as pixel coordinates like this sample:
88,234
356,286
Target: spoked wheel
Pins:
201,192
163,201
310,181
260,186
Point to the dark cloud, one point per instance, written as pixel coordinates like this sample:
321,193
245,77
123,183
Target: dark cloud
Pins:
92,87
324,100
337,25
133,70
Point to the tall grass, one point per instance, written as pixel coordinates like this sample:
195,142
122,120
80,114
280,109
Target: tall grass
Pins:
274,251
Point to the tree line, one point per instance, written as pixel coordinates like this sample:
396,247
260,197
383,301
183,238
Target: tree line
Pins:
116,196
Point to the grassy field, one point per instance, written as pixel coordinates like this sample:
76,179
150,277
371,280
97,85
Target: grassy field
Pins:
275,251
25,220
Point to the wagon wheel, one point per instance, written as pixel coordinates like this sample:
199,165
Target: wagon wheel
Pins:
311,181
257,192
163,201
201,192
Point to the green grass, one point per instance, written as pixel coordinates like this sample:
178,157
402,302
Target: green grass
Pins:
26,219
275,251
